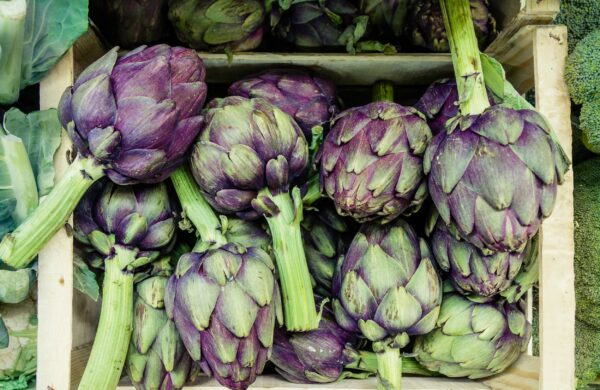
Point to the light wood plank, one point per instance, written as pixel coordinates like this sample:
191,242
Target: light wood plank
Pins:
523,375
557,286
55,269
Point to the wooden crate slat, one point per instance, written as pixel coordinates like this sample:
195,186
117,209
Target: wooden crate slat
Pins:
523,375
557,275
55,266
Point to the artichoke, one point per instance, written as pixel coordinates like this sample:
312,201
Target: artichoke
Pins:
473,339
439,104
494,172
326,354
157,358
372,161
470,269
317,23
387,16
218,25
388,289
18,344
310,100
326,238
130,227
130,23
247,155
132,118
225,302
426,24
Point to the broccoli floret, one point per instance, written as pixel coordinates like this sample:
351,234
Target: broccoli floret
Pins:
582,72
587,269
589,122
581,18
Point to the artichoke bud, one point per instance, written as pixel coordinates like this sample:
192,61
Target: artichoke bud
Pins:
277,175
132,228
101,242
152,291
103,142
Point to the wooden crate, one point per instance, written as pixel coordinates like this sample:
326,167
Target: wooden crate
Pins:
533,56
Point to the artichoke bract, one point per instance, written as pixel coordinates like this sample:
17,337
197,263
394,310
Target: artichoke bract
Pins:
157,358
218,25
494,172
130,226
426,24
473,339
310,100
326,354
317,23
132,118
372,160
225,303
470,269
326,238
387,16
388,289
130,23
247,156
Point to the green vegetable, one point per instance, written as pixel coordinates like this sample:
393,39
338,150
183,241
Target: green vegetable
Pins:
587,269
51,28
581,18
12,28
18,357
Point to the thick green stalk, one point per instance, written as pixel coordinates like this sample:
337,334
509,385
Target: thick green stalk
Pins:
298,299
383,91
12,36
104,367
465,56
389,369
195,207
20,247
367,361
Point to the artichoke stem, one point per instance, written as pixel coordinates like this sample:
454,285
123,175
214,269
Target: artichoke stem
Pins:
383,91
465,56
313,191
196,208
20,247
103,369
298,299
367,361
389,369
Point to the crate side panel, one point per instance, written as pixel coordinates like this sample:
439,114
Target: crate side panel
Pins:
557,276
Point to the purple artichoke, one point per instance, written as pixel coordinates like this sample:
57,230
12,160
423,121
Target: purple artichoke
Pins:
439,104
130,23
388,289
387,16
474,340
426,24
310,100
372,161
225,303
470,269
132,118
494,176
130,226
218,25
244,161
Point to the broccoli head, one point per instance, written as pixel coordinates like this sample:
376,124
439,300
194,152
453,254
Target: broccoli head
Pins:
587,269
582,72
589,122
581,18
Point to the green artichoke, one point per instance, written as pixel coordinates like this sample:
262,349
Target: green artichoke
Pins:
225,303
18,344
157,359
474,339
218,25
388,289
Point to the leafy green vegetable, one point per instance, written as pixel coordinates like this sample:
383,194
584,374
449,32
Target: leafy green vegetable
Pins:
52,26
84,279
40,132
15,285
12,27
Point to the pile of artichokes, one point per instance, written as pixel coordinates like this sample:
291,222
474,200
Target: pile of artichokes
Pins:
413,257
319,25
